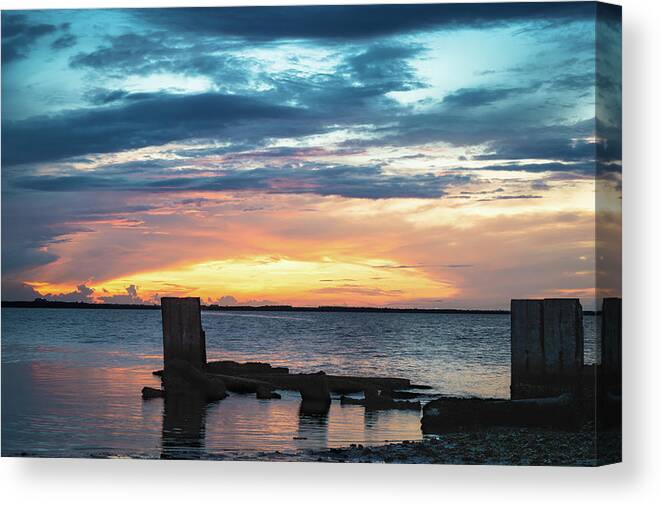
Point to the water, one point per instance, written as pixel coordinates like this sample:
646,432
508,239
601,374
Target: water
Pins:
71,378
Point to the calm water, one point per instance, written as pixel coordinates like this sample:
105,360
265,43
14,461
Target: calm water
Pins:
71,378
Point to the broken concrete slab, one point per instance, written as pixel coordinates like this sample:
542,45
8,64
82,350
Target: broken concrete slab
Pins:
449,414
336,384
232,368
181,378
381,403
314,388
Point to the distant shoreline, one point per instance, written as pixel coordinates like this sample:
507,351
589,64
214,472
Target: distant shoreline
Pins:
49,304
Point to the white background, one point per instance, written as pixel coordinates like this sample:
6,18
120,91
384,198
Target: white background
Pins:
636,481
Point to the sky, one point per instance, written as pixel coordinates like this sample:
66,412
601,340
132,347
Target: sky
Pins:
398,156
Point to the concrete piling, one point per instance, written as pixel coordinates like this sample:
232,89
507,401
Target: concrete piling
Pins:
563,344
546,347
183,337
527,344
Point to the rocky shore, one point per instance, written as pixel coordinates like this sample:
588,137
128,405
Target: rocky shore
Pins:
498,446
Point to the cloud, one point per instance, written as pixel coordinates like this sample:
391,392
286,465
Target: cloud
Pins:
82,293
14,290
19,35
511,197
131,297
64,41
150,120
335,23
225,300
385,67
587,167
17,290
475,97
230,300
26,234
351,289
362,182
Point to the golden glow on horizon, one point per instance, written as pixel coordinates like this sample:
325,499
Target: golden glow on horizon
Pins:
329,281
312,250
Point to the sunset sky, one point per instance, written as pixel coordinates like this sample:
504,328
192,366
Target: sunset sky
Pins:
405,156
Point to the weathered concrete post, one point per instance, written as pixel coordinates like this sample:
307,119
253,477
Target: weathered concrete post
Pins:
563,344
183,337
547,347
184,351
527,317
611,345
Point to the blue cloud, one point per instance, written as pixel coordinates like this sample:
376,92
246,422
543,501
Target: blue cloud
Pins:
19,35
358,21
364,182
152,119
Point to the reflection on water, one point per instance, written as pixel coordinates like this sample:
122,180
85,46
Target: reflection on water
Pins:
54,409
71,379
183,425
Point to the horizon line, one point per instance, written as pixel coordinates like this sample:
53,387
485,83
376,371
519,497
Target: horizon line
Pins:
45,303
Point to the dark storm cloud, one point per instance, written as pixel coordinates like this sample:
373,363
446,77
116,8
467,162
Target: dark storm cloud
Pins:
358,21
154,119
19,35
346,181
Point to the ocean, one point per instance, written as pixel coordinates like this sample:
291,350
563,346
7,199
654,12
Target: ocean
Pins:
71,378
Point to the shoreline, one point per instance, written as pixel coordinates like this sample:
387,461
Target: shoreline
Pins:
495,446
